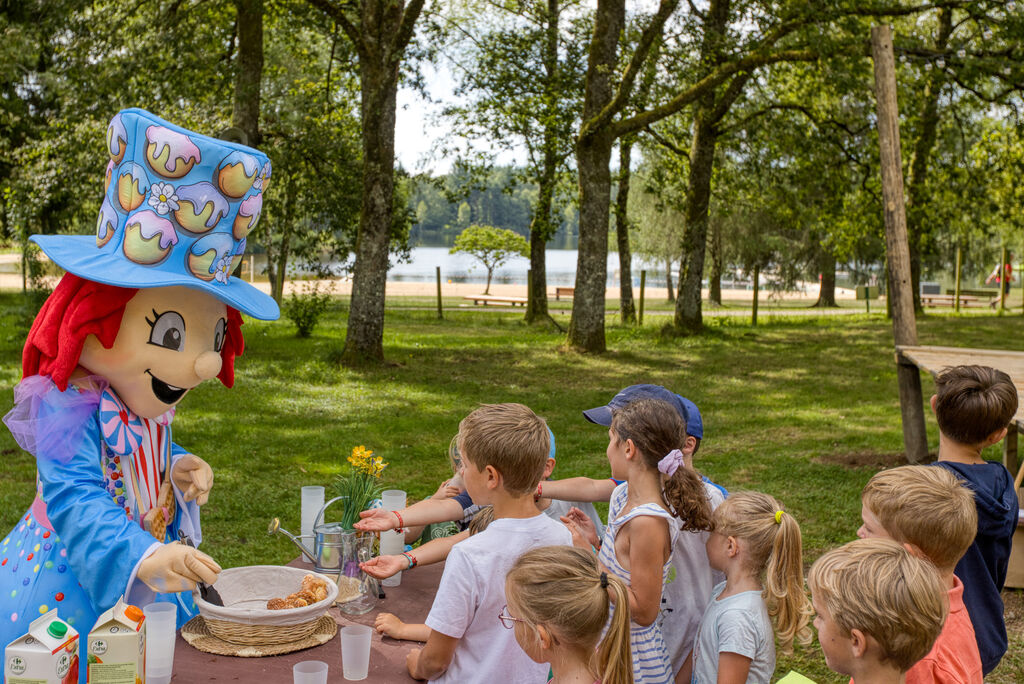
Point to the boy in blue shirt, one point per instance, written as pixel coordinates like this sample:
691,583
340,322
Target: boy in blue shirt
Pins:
973,406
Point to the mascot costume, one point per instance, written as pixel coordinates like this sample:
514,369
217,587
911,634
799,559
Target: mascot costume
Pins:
148,309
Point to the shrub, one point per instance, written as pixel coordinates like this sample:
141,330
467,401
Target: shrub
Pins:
305,307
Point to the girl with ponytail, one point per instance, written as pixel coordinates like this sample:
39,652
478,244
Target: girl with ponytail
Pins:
660,497
756,543
559,601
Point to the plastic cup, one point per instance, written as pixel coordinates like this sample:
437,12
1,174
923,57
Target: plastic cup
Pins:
160,634
355,652
312,502
391,544
392,499
309,672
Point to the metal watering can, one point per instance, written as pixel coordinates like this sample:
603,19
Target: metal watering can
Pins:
328,541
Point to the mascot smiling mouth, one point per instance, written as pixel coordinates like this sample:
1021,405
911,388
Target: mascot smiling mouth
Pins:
168,394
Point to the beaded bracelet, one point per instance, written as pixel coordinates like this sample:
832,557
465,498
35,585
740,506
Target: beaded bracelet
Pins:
401,525
536,495
412,560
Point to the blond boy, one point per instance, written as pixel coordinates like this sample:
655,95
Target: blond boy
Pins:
932,514
505,447
879,609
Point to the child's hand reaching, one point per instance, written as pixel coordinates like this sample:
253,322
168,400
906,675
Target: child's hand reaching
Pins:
584,534
389,625
445,491
376,520
383,567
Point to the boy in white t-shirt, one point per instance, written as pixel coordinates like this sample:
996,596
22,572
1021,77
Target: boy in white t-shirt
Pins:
505,447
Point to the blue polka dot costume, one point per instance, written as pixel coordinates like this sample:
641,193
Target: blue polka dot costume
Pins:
77,547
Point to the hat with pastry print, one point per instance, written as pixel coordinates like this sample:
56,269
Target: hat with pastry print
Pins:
176,211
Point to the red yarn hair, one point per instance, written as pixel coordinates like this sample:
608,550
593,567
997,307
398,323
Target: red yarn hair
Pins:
79,308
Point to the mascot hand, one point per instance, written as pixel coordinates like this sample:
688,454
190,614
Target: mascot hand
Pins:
176,567
193,477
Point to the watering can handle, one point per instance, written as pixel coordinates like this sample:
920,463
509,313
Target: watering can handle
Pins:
320,515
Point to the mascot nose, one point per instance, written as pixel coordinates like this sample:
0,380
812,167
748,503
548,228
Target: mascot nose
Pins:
208,365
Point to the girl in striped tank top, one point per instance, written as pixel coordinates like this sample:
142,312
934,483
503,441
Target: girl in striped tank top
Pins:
644,517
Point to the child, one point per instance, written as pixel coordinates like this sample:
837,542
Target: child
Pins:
558,605
389,624
458,507
931,513
973,405
643,450
758,547
690,578
505,449
879,609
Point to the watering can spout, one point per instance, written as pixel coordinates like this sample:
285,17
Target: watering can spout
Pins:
275,526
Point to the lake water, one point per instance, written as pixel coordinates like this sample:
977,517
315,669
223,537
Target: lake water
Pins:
462,268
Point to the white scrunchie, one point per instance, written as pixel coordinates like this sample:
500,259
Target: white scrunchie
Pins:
671,462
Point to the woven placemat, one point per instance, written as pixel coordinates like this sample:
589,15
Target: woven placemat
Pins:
197,634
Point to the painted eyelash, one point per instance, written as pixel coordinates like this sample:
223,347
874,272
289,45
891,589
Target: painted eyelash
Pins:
152,322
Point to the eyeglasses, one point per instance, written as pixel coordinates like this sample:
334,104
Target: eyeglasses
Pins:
507,621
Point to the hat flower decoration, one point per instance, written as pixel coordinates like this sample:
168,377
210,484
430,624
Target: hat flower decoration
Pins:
176,210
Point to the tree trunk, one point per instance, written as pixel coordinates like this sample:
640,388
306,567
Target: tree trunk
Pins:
284,249
827,268
490,273
246,112
715,281
688,317
627,310
757,294
917,192
364,340
668,281
593,154
542,228
707,113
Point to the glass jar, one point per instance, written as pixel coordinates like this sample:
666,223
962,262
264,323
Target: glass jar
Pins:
357,591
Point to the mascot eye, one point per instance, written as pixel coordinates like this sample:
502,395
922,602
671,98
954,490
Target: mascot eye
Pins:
168,330
219,334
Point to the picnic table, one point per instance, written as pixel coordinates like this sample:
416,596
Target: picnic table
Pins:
497,299
935,359
950,300
410,601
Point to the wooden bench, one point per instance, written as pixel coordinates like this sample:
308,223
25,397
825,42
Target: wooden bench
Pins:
949,300
565,292
990,297
495,299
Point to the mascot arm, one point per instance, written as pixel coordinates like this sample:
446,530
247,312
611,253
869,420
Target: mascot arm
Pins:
187,511
104,547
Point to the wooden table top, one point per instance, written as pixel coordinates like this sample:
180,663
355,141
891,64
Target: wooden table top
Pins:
410,601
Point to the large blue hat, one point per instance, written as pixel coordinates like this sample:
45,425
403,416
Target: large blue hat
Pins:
176,210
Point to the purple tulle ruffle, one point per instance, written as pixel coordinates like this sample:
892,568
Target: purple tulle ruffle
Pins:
49,423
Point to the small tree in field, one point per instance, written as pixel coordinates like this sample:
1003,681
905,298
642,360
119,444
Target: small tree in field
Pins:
491,246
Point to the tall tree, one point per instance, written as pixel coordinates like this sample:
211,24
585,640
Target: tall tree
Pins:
380,31
522,79
249,70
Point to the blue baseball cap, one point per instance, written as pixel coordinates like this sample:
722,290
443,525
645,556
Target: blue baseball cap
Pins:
602,415
177,208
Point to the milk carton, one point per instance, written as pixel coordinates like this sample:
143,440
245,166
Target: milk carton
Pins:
48,654
117,646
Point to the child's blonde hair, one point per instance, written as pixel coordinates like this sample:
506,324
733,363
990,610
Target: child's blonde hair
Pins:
481,520
878,587
926,506
772,540
657,429
509,437
563,588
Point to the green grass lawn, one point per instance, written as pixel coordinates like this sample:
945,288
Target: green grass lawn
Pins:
805,409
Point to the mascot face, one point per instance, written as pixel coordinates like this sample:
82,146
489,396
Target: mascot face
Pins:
169,341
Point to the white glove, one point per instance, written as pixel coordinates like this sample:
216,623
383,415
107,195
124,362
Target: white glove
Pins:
193,477
176,567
